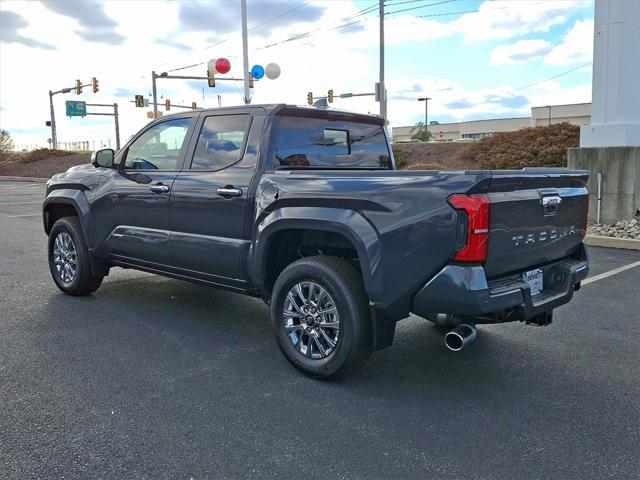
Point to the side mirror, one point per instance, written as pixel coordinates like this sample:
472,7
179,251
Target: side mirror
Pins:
103,158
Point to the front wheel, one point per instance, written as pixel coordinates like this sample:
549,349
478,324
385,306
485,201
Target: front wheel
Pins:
320,316
69,260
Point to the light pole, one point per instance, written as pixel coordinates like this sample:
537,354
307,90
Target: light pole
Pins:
426,116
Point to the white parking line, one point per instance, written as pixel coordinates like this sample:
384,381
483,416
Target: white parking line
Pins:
26,215
615,271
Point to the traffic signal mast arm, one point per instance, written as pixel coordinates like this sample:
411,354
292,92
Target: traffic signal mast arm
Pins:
164,104
331,96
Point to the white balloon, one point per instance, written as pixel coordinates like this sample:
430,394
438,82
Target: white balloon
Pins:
211,67
272,71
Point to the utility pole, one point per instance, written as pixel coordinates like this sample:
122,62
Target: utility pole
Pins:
383,90
245,51
54,140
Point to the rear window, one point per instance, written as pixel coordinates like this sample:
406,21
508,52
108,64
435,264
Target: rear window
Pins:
319,143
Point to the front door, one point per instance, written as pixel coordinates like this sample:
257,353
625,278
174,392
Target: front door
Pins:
210,197
132,202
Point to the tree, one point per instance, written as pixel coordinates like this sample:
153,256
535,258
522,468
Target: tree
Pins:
422,133
6,143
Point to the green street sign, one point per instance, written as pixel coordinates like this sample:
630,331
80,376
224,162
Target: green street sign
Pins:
76,109
346,95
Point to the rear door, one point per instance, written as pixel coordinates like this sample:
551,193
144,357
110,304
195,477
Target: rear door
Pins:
211,198
536,217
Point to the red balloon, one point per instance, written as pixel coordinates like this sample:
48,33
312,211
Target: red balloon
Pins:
223,65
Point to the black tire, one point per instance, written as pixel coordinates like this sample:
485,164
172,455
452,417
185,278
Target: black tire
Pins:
344,285
83,283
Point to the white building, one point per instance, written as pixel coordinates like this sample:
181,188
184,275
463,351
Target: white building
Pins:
576,114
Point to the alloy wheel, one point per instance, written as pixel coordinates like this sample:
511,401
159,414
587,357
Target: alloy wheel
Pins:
64,257
311,320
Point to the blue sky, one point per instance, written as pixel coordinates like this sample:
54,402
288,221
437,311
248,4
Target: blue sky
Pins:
476,59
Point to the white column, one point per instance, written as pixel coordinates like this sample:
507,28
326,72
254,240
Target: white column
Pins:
615,111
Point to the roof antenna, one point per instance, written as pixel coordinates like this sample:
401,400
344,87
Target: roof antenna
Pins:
321,103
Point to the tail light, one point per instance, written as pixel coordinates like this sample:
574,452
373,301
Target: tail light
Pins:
473,212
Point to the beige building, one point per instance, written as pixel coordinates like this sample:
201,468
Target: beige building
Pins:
576,114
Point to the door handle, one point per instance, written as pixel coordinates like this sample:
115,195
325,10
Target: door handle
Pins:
228,192
159,188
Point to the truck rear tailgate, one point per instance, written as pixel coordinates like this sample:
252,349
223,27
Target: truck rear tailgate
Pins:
536,216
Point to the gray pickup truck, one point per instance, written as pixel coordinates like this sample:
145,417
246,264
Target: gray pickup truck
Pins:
303,207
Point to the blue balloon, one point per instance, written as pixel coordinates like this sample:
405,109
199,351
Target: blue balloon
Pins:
257,72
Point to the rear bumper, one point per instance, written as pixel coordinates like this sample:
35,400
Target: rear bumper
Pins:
465,291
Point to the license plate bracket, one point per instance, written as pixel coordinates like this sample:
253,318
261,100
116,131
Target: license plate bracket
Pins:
535,279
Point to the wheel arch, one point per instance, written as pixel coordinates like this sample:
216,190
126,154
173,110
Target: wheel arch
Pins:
346,224
68,202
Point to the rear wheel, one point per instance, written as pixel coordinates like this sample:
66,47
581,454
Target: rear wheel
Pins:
69,260
320,316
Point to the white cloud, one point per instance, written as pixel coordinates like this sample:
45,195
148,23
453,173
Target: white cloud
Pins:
519,52
577,45
508,19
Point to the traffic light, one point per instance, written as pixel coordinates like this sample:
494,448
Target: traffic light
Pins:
310,98
193,105
210,80
78,87
94,85
250,80
167,104
139,101
330,96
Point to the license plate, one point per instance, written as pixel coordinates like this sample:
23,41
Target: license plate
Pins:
535,280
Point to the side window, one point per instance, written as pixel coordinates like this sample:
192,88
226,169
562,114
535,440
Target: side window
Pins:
220,142
159,147
319,143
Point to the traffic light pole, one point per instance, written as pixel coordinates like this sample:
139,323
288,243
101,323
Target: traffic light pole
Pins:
54,132
155,95
165,76
54,140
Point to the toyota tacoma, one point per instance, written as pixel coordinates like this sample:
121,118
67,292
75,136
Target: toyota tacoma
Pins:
304,208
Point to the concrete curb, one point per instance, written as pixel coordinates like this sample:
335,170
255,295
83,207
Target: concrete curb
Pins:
612,242
23,179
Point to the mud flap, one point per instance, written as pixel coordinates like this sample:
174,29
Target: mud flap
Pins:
383,328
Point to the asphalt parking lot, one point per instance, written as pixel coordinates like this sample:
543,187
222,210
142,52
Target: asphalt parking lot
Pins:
155,378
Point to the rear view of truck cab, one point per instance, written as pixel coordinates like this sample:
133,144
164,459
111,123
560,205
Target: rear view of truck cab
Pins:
519,252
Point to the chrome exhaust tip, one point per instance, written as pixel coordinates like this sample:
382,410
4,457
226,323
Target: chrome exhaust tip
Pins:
460,336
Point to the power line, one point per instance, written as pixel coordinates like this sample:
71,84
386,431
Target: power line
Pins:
554,77
445,14
393,3
278,16
420,6
255,27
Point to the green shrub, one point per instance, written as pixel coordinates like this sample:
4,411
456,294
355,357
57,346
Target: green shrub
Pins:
530,147
401,156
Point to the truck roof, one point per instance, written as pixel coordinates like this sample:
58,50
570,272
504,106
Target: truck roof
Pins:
302,111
